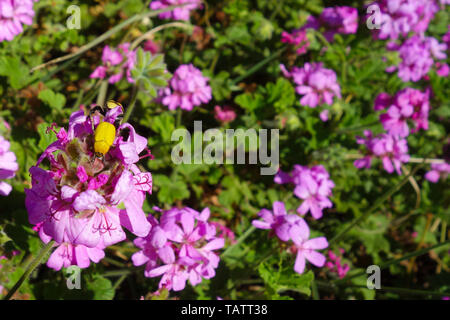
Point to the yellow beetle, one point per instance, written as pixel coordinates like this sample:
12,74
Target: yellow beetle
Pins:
105,132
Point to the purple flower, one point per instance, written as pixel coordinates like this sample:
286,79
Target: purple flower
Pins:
438,171
400,17
116,63
393,151
297,39
8,166
335,265
181,13
306,250
187,88
408,104
83,200
225,114
318,85
13,15
342,20
179,247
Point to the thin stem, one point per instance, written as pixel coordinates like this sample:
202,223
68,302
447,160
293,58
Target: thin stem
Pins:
375,206
352,156
106,35
179,114
239,241
258,66
119,281
130,108
37,261
149,33
102,93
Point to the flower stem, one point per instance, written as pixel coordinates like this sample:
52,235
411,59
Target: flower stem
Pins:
102,93
44,251
130,108
149,33
239,241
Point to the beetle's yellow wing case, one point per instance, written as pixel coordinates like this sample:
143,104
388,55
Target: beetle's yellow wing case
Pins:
111,104
104,136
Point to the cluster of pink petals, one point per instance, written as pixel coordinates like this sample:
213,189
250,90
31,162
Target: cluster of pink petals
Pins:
317,84
224,114
393,151
13,15
438,171
342,20
292,227
313,185
335,265
8,166
407,105
83,202
297,39
418,55
181,13
446,38
187,88
398,18
180,247
116,63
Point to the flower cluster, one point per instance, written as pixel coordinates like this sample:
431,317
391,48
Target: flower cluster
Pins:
292,227
82,201
317,84
407,104
438,171
116,63
312,185
8,166
13,15
418,55
179,247
393,151
187,88
335,265
342,20
225,114
399,17
181,13
297,39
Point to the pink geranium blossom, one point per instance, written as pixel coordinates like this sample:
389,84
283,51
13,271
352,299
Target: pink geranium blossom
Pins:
82,200
317,84
224,114
298,39
187,88
334,264
180,247
8,166
438,171
181,13
13,15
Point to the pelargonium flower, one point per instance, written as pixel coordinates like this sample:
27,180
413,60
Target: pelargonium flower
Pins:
393,151
82,199
313,185
8,166
225,114
187,88
418,55
180,247
400,17
438,171
297,39
13,15
115,63
342,20
446,38
334,264
181,13
408,104
317,84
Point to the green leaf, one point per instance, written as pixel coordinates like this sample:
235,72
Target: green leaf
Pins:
102,288
54,100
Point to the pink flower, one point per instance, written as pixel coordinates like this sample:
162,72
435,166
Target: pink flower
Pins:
116,63
306,250
8,166
77,200
181,13
318,85
187,88
152,47
225,114
13,15
180,247
408,104
438,171
342,20
297,39
334,264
